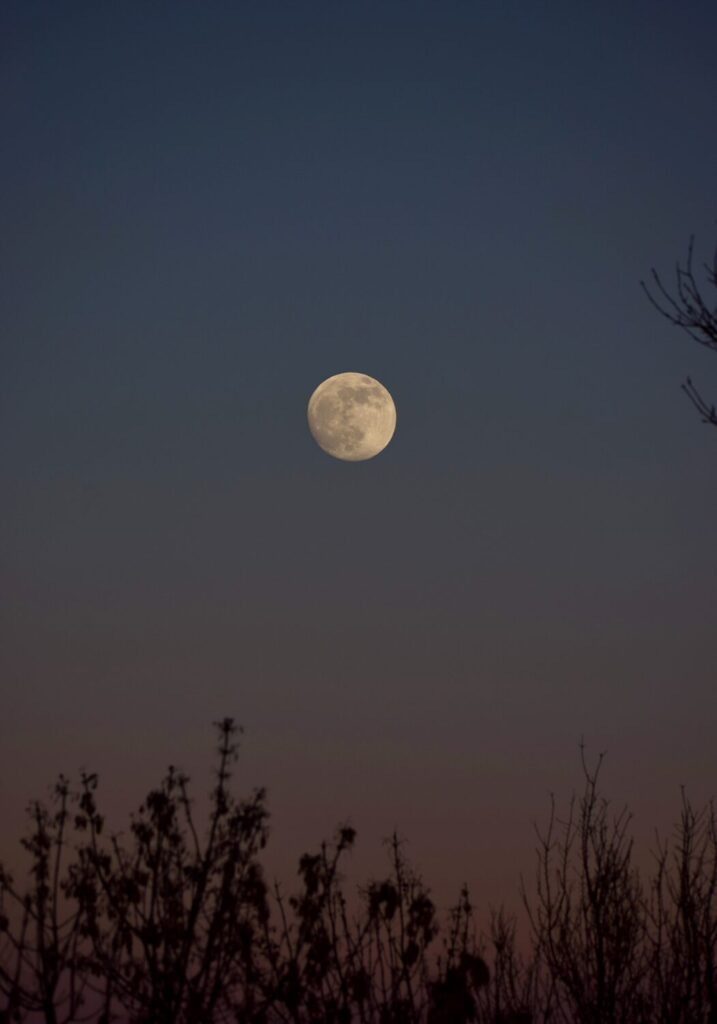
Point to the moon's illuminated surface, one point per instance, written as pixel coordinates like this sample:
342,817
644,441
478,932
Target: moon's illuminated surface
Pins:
351,416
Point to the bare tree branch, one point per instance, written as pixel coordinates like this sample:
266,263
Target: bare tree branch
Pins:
688,310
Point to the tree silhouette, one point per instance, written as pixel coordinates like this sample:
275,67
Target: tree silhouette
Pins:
170,922
40,935
587,916
172,919
687,309
683,919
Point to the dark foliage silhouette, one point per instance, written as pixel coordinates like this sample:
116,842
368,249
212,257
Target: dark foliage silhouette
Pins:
688,309
170,922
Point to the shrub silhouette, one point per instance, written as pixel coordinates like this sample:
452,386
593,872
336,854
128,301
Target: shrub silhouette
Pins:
164,924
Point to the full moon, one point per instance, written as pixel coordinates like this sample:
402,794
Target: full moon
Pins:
351,416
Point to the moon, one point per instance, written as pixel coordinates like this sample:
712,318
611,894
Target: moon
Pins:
351,416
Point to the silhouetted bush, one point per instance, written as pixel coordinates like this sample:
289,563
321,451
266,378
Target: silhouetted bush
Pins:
164,925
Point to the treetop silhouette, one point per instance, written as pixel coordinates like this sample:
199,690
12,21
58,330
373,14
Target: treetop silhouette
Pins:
168,923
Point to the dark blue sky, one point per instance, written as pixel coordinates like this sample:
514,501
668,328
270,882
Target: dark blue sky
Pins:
209,208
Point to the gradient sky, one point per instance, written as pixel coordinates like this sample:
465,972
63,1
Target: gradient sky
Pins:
206,209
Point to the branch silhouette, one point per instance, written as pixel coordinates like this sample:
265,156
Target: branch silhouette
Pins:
688,310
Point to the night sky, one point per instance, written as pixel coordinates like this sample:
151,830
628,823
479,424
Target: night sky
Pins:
207,209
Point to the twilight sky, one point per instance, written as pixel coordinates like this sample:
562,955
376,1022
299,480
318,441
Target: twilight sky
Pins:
206,209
